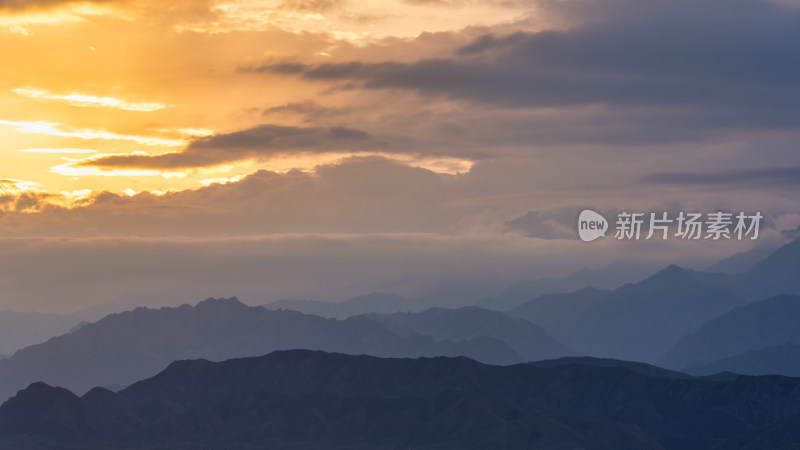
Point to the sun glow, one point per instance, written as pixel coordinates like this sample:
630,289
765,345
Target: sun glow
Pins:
52,129
57,150
21,22
84,100
15,187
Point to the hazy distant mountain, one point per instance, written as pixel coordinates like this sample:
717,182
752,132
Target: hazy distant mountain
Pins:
740,262
378,302
760,324
315,400
776,274
636,321
556,311
527,339
777,360
21,329
638,367
446,294
123,348
609,277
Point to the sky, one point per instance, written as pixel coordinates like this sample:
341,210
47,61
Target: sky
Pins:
160,153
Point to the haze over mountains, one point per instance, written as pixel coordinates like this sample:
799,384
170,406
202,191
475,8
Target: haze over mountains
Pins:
123,348
758,325
608,277
636,321
779,359
21,329
644,320
699,323
314,400
696,322
527,339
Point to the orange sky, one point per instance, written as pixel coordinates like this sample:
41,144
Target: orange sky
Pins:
90,79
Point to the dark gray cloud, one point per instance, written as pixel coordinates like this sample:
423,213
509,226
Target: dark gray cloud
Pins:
734,60
260,142
547,224
310,110
490,42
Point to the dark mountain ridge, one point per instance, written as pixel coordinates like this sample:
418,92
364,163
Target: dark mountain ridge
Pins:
316,400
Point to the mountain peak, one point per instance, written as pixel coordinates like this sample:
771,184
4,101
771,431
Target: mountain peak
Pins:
674,269
220,302
670,274
785,258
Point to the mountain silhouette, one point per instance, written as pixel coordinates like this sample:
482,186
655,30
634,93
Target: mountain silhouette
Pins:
607,278
778,360
757,325
123,348
740,262
774,275
635,366
555,312
378,302
21,329
315,400
527,339
636,321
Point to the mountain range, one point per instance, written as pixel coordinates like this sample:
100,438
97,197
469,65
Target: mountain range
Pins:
608,278
643,321
314,400
780,359
527,339
377,302
21,329
758,325
636,321
123,348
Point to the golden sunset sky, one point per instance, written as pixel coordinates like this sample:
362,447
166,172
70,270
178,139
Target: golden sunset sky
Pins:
156,151
85,80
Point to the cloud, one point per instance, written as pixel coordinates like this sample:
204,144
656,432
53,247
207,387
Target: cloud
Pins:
673,55
84,100
490,42
357,195
54,129
342,230
377,195
260,142
310,110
